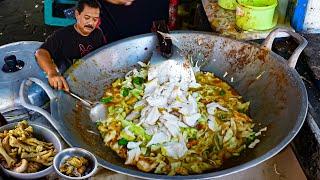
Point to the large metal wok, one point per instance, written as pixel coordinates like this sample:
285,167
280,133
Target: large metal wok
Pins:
277,94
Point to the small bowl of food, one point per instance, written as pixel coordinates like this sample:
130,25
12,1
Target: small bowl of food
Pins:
27,150
75,163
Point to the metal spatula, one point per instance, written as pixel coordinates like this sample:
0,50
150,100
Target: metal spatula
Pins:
97,109
167,49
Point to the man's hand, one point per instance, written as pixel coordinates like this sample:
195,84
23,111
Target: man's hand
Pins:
121,2
58,82
45,62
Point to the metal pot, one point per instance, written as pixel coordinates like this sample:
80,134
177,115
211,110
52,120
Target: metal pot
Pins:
17,62
277,94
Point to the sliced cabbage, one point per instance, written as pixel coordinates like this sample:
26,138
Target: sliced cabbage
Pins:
133,145
191,133
157,101
150,87
140,105
243,107
133,115
137,130
160,167
192,119
133,156
159,138
142,64
174,150
173,127
152,116
136,92
228,135
127,134
212,124
211,108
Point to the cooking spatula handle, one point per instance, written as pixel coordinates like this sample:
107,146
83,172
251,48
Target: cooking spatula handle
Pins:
164,42
292,61
85,102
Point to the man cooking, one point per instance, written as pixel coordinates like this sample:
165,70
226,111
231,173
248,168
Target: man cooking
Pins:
67,44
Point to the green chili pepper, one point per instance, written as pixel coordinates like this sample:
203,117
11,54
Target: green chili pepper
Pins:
138,80
122,142
125,92
222,92
106,99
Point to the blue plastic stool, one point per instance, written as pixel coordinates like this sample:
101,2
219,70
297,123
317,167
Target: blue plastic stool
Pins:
49,19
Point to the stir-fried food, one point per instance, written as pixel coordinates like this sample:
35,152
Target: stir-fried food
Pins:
23,153
172,119
74,166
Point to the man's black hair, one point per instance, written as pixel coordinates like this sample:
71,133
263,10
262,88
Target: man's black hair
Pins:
90,3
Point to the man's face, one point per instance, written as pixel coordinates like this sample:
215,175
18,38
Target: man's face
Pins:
88,19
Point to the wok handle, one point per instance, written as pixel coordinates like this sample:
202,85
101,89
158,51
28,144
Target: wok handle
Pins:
301,40
52,95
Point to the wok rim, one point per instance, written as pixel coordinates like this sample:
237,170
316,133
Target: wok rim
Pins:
217,174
